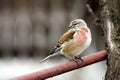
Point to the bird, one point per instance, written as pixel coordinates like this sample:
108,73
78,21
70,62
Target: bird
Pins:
74,41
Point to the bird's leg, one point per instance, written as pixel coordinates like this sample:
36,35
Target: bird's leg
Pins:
77,59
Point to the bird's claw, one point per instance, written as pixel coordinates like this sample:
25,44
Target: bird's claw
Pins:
77,59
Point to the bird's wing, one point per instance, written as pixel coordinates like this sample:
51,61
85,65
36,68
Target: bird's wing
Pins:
66,37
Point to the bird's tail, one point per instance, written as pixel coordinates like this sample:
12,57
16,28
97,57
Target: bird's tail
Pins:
52,55
58,48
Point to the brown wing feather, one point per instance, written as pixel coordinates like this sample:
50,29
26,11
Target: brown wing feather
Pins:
67,36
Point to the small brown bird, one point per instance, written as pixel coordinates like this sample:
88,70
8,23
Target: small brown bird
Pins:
74,41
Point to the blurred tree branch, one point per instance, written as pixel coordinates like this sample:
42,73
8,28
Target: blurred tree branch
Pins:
64,67
96,21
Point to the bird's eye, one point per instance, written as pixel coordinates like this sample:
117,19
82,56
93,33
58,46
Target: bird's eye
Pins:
75,24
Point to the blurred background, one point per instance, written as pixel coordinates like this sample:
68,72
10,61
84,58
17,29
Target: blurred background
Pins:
29,30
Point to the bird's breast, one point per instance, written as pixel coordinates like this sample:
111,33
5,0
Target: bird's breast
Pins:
77,44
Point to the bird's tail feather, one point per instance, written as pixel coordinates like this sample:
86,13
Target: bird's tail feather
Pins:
58,48
52,55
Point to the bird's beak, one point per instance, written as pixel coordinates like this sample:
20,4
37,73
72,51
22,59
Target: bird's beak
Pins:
69,26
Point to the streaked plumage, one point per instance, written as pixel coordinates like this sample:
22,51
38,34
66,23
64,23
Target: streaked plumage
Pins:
74,41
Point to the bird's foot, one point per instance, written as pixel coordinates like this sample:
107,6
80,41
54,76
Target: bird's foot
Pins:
77,59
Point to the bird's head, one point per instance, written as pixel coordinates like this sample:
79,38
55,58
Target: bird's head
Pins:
77,23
